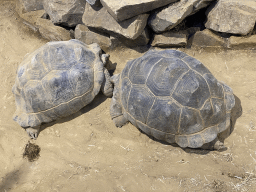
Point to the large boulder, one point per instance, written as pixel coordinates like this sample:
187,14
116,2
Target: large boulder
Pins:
24,6
232,16
65,12
99,19
126,9
170,16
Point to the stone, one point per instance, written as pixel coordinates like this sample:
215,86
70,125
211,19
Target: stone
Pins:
107,42
170,39
51,32
233,16
208,39
65,12
125,9
242,42
94,2
83,34
170,16
99,19
24,6
142,40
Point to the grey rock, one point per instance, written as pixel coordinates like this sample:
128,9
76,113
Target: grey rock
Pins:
107,42
94,2
65,12
242,42
125,9
83,34
208,39
24,6
142,40
233,16
52,32
170,39
170,16
172,97
99,19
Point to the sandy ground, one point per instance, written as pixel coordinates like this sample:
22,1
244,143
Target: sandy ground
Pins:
86,152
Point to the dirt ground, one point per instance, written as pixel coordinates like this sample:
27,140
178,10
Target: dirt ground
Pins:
86,152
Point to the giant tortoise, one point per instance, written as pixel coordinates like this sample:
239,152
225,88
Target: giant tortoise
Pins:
57,80
174,98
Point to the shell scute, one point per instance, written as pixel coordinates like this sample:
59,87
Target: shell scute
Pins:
164,74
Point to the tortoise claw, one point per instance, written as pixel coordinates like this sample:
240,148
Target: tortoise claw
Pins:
32,132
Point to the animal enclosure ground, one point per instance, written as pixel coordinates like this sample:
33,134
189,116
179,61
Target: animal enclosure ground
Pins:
86,152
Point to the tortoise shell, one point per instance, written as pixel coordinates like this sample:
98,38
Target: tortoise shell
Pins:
175,98
56,80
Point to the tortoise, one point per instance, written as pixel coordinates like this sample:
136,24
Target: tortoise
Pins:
57,80
173,98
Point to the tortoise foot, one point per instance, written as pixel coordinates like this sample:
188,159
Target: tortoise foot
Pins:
32,132
120,121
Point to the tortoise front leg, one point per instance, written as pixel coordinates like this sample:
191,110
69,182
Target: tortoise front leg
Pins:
116,107
106,86
33,132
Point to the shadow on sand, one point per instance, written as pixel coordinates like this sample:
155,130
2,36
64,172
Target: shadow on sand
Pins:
100,98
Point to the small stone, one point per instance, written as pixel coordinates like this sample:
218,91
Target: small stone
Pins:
233,16
65,12
125,9
207,38
170,39
99,19
94,2
242,42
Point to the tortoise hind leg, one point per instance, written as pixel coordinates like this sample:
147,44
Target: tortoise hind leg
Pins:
216,144
116,111
33,132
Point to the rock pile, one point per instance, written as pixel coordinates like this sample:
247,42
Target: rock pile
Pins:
159,23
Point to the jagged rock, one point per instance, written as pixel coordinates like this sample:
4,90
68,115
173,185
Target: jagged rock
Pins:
24,6
242,42
107,42
83,34
94,2
125,9
170,39
233,16
142,40
51,32
169,17
207,38
65,12
99,19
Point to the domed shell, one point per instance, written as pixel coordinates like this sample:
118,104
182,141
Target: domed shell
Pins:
55,81
174,97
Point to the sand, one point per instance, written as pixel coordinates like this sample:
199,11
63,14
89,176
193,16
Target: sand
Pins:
86,152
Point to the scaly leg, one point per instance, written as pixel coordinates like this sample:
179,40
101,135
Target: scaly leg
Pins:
116,107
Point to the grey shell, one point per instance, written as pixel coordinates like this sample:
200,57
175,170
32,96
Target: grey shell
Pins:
55,81
175,98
